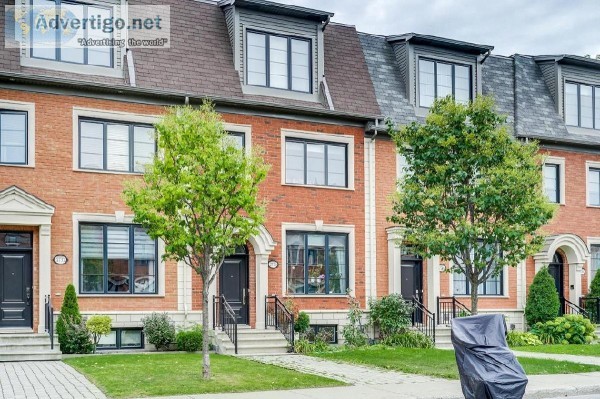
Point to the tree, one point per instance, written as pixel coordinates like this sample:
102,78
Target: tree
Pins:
200,195
471,192
542,300
98,326
592,306
69,314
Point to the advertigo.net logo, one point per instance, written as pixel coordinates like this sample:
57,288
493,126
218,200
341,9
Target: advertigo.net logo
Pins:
72,26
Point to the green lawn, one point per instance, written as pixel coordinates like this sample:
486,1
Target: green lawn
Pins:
580,350
441,363
139,375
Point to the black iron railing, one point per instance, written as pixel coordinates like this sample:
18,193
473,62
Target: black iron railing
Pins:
278,316
224,317
49,319
448,308
422,319
591,306
568,307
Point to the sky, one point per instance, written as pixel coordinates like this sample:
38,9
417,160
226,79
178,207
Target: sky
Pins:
535,27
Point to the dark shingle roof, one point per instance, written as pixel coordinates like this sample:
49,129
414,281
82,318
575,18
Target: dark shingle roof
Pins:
498,82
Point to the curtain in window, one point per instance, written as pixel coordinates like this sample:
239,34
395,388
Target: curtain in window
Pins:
295,264
92,145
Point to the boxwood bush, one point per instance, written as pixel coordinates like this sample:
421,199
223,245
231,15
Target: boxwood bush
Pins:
189,340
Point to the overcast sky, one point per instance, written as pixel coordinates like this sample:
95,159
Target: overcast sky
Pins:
511,26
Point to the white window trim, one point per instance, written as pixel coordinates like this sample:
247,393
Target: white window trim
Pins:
591,241
323,137
117,217
245,129
588,165
319,227
30,109
560,161
106,115
504,285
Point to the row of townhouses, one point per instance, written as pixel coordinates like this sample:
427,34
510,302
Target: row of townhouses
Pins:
314,94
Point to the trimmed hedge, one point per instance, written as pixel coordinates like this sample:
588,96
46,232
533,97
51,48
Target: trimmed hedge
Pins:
542,301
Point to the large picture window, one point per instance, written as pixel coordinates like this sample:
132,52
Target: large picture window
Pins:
62,44
317,263
115,146
582,105
279,62
440,79
116,259
316,163
13,137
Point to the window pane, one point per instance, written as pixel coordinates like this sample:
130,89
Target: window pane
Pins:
143,147
256,59
551,181
571,105
278,62
597,107
460,284
338,279
300,65
595,265
294,162
587,113
144,272
426,83
315,164
117,147
316,264
13,138
108,341
493,285
237,139
97,55
295,263
336,166
131,338
594,186
43,41
92,145
70,49
92,259
444,80
462,84
117,248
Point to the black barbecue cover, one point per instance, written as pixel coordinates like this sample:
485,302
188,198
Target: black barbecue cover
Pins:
488,369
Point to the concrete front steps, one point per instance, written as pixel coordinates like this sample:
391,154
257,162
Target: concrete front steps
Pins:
20,347
442,337
252,342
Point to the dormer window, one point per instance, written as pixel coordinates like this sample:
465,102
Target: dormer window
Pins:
279,62
582,105
438,79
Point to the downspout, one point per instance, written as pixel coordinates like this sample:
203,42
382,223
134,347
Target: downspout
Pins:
326,23
372,285
485,56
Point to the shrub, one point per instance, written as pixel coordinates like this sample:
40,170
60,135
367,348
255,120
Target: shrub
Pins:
159,330
77,339
519,338
69,314
409,339
594,292
190,340
568,329
98,326
542,301
354,333
390,314
320,343
302,323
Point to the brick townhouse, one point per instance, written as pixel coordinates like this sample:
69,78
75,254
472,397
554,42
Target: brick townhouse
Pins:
75,125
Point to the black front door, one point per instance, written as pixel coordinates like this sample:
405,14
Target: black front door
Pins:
555,268
233,284
411,274
16,289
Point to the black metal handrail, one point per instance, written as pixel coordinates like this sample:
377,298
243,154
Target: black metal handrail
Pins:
280,317
225,318
591,306
49,319
422,319
568,307
448,308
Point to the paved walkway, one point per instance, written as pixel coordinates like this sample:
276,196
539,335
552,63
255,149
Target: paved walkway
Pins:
44,380
593,360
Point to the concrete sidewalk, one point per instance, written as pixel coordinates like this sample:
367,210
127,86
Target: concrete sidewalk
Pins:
593,360
540,386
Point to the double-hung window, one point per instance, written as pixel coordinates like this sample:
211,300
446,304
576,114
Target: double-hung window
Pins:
440,79
84,23
116,259
317,263
594,186
492,286
552,182
13,137
115,146
595,260
316,163
280,62
582,105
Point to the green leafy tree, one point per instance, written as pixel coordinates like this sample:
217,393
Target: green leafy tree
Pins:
594,291
200,195
98,326
69,314
542,300
471,192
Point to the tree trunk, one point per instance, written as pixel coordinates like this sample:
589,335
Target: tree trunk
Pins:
205,329
474,297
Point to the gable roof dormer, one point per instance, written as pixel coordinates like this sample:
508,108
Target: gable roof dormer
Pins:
278,49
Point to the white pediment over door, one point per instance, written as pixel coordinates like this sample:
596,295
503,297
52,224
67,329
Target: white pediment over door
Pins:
19,207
